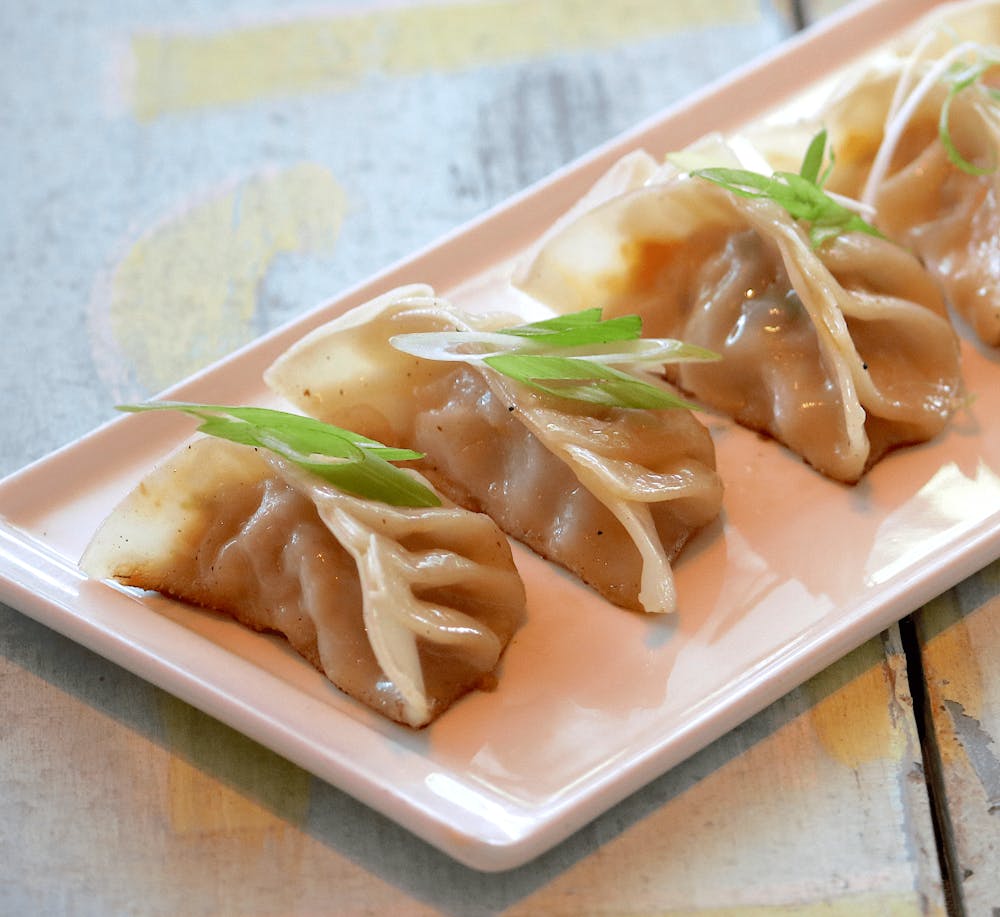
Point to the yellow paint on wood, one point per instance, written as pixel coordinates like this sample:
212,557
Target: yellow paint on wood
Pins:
951,669
186,292
177,72
949,657
219,781
852,707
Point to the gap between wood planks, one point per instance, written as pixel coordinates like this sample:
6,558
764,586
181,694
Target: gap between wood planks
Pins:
930,754
798,16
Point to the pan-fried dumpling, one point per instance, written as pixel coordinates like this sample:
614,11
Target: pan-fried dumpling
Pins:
611,494
405,609
840,351
935,193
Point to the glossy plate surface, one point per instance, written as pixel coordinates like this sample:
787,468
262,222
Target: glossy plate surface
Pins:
593,702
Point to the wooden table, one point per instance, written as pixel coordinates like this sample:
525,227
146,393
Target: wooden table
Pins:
179,178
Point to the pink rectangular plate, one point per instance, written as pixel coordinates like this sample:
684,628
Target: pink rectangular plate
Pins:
593,702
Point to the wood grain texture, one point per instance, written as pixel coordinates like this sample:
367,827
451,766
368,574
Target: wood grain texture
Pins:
960,645
118,799
128,801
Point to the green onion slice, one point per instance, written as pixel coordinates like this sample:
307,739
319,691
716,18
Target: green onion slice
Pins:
571,356
350,462
800,194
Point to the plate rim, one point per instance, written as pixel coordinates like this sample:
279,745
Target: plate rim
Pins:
45,585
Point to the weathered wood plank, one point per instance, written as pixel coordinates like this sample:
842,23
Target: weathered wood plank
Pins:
960,646
815,805
818,804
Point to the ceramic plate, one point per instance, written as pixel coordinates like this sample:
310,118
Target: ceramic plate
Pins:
593,702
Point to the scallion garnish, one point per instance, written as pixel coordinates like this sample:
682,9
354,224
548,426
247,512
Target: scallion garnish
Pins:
952,68
350,462
583,380
579,329
571,356
800,194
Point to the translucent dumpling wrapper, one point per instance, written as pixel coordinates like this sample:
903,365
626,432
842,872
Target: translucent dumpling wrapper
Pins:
841,352
405,609
611,494
942,203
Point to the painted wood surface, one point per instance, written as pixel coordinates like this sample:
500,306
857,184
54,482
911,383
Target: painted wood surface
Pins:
120,799
182,177
960,646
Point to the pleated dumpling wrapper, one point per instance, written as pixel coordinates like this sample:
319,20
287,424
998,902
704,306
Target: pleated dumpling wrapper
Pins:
611,494
838,345
405,609
918,139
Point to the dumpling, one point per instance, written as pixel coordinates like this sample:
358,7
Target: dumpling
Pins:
611,494
841,350
935,192
405,609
